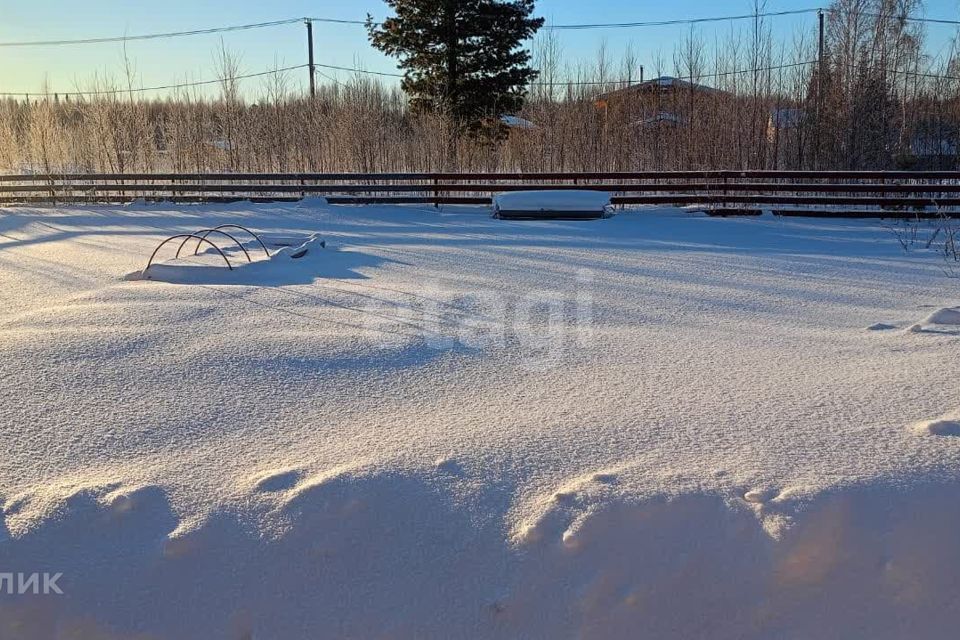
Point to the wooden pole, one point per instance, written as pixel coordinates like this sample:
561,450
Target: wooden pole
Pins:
819,86
311,66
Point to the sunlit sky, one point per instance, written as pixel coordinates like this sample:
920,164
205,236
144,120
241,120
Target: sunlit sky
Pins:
169,61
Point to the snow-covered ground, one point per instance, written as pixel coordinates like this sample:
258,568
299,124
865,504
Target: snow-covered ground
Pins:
441,425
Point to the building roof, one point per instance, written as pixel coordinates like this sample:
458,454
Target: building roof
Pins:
663,83
516,122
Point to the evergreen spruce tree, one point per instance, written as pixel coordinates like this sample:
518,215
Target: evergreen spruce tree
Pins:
463,59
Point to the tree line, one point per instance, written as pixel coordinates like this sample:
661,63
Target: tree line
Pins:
871,98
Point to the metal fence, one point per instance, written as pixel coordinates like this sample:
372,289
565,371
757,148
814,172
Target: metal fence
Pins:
825,193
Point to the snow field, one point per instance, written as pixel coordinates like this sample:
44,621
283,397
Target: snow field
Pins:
443,425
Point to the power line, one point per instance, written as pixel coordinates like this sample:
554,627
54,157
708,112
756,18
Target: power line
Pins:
174,34
705,76
881,16
900,72
554,27
160,88
337,21
663,23
150,36
656,23
746,16
563,83
353,70
723,74
275,23
578,26
330,78
934,20
598,82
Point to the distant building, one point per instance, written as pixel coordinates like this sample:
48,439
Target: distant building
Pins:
662,86
516,122
661,102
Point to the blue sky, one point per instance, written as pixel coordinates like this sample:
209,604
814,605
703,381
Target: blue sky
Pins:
191,58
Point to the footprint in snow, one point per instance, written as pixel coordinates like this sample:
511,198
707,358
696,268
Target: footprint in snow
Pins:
939,427
605,478
145,497
758,496
277,480
449,466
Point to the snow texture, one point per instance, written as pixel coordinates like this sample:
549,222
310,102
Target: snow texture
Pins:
442,425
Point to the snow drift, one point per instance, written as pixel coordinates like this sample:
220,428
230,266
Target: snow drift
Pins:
355,553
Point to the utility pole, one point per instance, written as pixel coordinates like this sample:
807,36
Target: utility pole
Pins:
819,84
820,40
312,68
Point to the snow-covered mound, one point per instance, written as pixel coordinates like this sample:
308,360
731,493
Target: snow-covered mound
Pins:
536,201
947,315
941,320
443,426
284,240
301,262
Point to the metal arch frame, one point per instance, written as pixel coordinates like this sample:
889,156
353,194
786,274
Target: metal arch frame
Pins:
186,236
203,233
237,226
